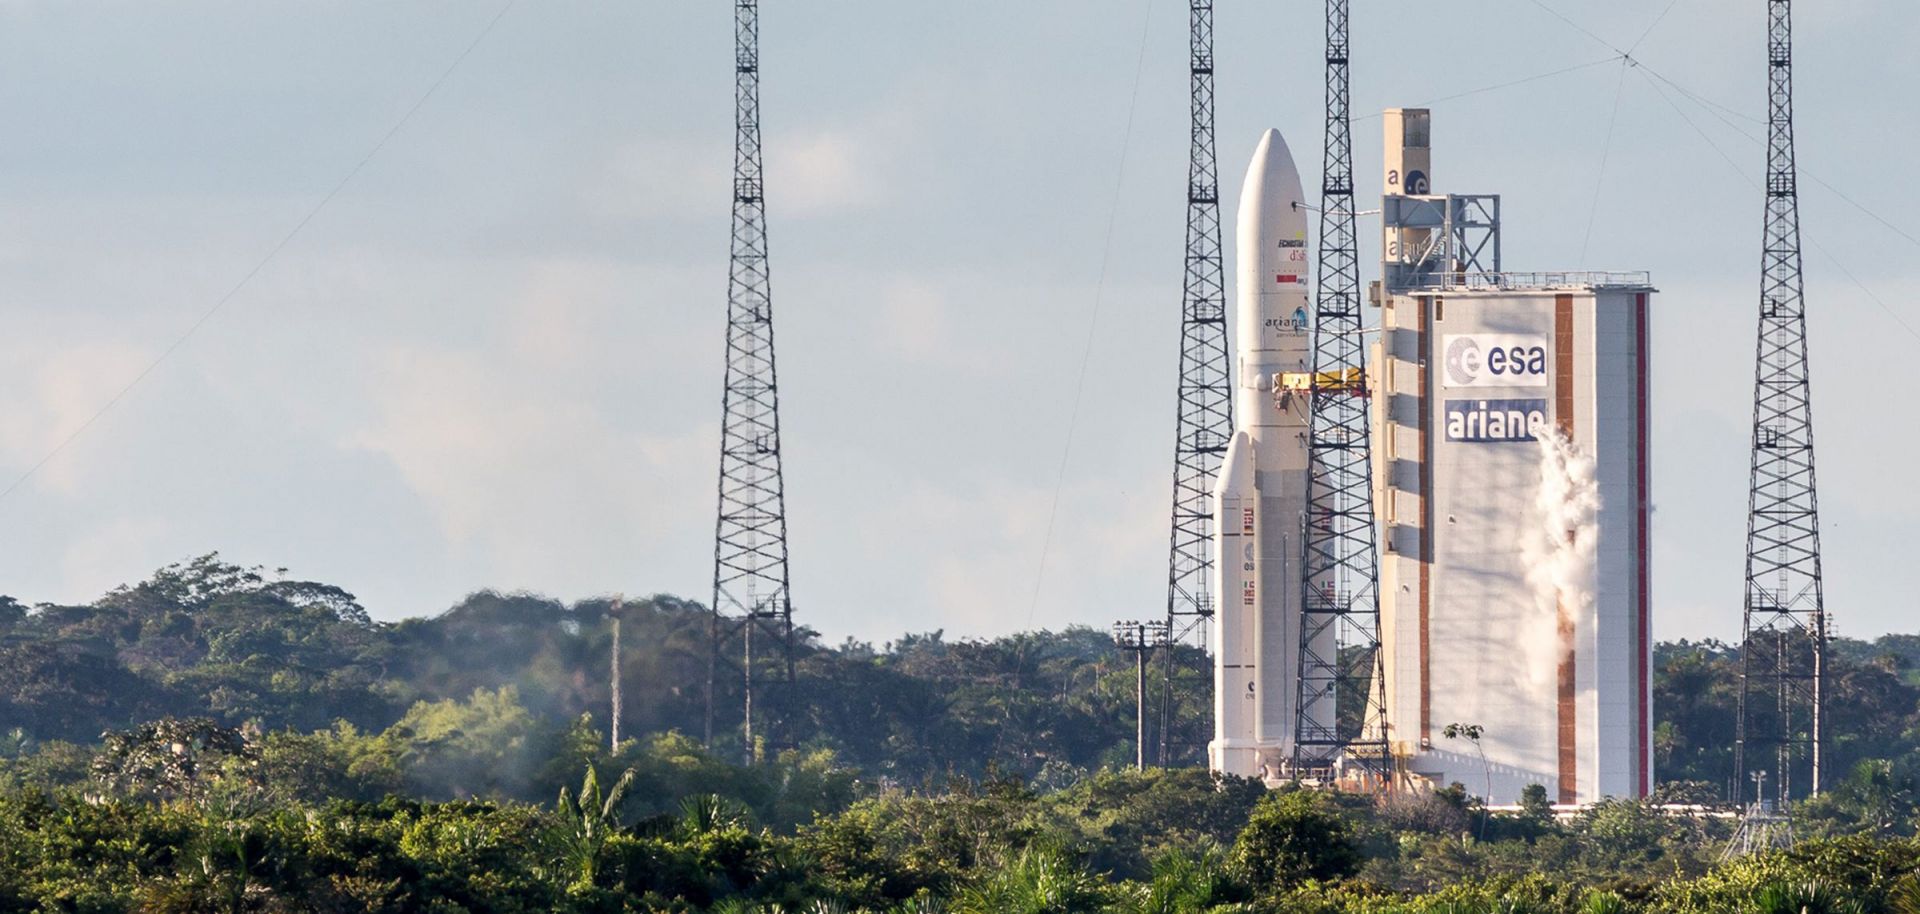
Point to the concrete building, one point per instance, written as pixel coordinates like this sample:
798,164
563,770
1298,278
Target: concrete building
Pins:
1511,483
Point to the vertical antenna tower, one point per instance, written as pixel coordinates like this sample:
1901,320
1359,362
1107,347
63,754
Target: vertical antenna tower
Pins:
1140,639
750,541
613,741
1340,615
1203,427
1784,637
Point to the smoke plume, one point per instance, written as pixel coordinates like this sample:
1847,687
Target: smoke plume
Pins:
1558,549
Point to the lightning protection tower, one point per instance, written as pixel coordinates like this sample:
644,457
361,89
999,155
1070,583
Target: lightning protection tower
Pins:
1340,659
751,611
1202,428
1784,637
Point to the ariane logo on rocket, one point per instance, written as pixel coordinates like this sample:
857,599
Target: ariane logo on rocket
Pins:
1489,360
1295,324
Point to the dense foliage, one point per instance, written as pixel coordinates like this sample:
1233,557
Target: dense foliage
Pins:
222,739
1158,842
243,648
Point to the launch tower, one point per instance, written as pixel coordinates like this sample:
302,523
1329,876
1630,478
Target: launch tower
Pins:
1784,632
1203,425
750,608
1340,573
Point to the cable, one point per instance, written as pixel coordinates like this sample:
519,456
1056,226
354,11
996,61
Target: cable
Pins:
1508,85
1093,321
1606,152
1710,107
1713,107
1656,24
246,279
1579,28
1830,258
1735,166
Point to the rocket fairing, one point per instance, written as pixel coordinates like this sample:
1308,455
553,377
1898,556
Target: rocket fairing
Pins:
1261,494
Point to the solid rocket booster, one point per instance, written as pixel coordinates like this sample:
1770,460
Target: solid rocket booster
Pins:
1261,496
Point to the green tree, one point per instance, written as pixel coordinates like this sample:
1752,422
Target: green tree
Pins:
587,819
1293,836
171,758
1038,881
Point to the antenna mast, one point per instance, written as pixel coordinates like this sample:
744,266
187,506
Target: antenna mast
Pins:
750,541
1784,635
1340,661
1202,429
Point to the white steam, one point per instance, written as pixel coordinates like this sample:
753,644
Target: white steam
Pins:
1558,548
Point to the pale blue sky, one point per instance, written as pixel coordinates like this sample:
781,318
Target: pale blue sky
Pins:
493,360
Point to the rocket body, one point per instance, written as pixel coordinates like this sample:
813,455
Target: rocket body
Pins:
1260,498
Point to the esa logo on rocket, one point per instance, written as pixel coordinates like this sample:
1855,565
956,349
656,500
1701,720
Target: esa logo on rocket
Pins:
1491,360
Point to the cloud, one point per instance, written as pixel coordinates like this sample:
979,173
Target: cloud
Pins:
516,441
62,387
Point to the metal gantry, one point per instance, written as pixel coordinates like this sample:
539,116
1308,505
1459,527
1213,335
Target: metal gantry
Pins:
751,609
1340,655
1784,636
1763,827
1203,426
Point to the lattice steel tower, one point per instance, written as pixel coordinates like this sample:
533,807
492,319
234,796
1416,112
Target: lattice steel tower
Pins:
1340,571
750,601
1203,427
1784,638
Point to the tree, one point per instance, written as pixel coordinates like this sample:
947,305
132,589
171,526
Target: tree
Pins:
587,819
1294,836
1039,881
172,758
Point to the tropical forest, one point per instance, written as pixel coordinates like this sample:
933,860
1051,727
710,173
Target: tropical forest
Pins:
221,738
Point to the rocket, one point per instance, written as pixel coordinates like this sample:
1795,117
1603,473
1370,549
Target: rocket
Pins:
1260,497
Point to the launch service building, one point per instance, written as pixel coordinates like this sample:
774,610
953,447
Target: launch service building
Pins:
1511,484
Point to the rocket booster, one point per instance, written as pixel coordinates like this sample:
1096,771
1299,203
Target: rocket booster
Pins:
1261,494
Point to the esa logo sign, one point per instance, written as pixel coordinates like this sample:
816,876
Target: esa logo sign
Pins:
1494,360
1495,421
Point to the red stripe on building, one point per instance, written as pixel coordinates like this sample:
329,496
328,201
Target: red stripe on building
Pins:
1644,643
1426,522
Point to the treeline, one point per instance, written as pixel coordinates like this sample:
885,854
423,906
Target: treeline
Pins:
244,647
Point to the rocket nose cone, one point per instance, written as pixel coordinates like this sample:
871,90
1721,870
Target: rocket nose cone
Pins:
1272,145
1272,169
1271,207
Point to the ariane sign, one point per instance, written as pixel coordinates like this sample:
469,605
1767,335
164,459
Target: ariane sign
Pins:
1494,421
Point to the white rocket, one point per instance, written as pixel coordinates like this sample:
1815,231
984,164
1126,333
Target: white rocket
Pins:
1260,499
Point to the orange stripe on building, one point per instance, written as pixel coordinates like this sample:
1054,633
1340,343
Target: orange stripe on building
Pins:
1563,419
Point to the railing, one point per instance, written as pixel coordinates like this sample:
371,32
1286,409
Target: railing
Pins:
1536,281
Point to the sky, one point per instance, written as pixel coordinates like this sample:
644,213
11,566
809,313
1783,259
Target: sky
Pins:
492,359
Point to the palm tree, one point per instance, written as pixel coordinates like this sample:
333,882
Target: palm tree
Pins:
590,818
1039,881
